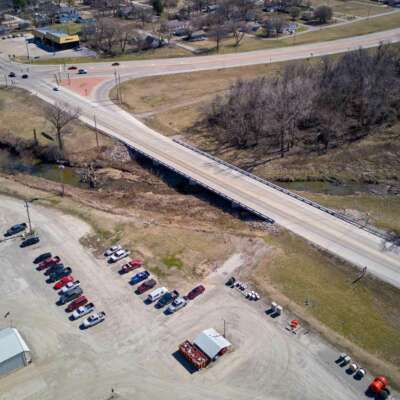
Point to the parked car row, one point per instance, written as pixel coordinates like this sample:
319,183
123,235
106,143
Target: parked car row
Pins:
28,238
115,253
160,296
69,290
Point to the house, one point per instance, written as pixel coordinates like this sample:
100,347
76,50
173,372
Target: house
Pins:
149,40
67,14
177,27
252,27
211,8
197,36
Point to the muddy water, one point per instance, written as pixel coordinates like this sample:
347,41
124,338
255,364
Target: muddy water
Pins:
10,164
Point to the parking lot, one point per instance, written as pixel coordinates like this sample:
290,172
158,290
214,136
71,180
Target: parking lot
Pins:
133,350
18,47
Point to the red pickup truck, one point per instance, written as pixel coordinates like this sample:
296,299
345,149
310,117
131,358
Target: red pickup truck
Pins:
48,262
130,266
146,286
80,301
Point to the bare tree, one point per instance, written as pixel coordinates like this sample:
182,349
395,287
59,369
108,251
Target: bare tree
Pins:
60,116
238,30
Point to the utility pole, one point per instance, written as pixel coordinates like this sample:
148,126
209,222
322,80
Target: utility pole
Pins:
29,217
27,51
116,82
224,335
61,167
119,86
35,139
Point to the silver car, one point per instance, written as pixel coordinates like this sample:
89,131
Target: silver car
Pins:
176,305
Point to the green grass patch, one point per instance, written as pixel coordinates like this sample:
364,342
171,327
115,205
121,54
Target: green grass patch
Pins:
382,211
365,313
172,261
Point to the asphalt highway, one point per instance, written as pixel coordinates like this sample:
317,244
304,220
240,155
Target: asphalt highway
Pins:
336,236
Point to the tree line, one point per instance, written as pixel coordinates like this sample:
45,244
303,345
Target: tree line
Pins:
316,105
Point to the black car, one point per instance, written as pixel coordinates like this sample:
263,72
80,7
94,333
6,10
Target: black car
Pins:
11,75
25,76
41,258
54,268
30,241
167,298
15,229
55,276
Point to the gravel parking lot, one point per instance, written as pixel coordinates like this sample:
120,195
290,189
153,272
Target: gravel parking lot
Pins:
132,351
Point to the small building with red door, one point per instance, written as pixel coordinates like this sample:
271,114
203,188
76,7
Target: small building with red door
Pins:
212,343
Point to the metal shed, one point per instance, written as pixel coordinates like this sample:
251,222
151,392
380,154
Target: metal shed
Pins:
212,343
14,352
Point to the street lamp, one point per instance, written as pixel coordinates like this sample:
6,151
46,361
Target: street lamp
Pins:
27,202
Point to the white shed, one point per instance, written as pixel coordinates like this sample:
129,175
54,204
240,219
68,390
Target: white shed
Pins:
212,343
14,352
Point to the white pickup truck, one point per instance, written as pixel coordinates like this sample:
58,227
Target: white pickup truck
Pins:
81,311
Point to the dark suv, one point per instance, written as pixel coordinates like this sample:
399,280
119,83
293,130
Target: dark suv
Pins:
71,295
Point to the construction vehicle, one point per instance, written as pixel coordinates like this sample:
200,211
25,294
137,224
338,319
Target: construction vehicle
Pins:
379,388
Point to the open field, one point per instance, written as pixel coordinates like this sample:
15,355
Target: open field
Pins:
21,113
357,8
381,211
133,350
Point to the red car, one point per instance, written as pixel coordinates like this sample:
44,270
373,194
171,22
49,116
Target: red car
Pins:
72,68
146,286
63,281
130,266
80,301
197,291
48,262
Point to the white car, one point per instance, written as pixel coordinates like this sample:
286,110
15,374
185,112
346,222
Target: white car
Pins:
94,319
112,250
176,305
118,255
83,310
69,286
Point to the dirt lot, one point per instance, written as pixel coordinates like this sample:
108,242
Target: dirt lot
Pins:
132,351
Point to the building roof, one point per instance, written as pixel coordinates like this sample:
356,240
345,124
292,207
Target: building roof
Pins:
11,344
211,342
55,36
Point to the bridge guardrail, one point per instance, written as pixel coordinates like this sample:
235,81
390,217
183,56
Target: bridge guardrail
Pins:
286,191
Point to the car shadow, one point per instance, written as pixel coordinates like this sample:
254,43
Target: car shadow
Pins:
185,363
